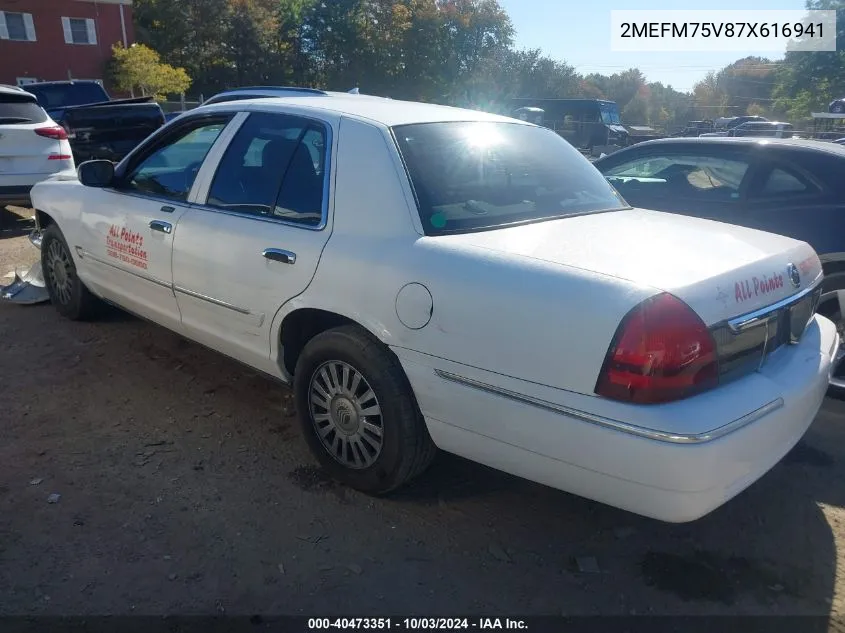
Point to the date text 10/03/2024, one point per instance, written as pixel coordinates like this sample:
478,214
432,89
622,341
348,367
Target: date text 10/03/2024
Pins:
408,624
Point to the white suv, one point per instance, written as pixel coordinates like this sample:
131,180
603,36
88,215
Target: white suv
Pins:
32,146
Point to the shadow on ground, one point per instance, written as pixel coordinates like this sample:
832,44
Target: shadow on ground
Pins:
186,488
14,224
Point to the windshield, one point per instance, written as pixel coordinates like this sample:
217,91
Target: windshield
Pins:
609,113
471,176
65,95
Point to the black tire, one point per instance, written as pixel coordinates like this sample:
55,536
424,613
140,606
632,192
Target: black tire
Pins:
406,450
838,108
67,292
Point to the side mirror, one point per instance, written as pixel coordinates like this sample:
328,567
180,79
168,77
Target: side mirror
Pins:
96,173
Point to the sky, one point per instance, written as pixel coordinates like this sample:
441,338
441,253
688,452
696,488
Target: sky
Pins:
578,32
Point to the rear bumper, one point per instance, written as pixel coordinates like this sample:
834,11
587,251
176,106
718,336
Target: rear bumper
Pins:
674,479
17,195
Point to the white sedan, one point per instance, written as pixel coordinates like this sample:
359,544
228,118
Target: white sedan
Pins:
427,276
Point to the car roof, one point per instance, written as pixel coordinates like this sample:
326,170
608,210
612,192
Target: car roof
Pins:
790,143
18,94
388,112
64,82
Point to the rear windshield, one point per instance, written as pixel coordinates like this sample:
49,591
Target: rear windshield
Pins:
66,95
470,176
14,111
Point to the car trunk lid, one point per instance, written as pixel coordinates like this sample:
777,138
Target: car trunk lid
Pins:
721,271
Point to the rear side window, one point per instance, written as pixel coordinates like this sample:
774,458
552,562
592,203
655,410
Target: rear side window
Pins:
470,176
683,175
14,111
782,182
273,168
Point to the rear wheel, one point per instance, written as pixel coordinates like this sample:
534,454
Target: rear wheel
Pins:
358,413
67,292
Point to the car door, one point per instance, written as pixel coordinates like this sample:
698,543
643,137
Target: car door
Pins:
127,229
796,194
255,236
695,180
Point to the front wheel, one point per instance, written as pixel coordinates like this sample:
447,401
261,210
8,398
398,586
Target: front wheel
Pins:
358,413
67,292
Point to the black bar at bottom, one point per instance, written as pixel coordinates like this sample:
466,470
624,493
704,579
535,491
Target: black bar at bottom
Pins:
285,624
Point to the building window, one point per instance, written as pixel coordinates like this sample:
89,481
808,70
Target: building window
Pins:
79,31
16,26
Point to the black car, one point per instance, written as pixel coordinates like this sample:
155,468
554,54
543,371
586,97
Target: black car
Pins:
792,187
97,126
773,129
695,128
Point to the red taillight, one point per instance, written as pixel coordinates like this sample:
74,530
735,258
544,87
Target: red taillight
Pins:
54,131
59,157
662,351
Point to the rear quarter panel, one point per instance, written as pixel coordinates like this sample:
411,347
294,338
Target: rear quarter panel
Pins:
515,316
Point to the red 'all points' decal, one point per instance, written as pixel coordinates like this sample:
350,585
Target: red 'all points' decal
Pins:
127,246
757,286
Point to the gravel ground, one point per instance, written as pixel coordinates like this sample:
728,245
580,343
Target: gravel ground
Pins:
181,485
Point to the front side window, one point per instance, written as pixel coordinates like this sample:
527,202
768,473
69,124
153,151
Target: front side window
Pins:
17,26
273,168
682,175
470,176
169,172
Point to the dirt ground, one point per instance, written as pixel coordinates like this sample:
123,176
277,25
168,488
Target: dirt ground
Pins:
185,488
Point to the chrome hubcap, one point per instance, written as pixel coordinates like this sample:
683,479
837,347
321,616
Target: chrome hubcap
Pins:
346,414
59,269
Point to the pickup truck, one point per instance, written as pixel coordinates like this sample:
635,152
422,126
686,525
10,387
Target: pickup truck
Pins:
97,126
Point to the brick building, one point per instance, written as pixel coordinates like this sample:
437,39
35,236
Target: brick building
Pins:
47,40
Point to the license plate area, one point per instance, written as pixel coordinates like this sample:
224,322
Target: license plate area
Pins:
746,343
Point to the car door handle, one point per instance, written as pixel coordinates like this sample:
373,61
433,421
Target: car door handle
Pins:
161,227
167,209
279,255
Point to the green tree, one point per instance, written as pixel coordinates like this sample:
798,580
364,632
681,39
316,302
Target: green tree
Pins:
619,87
189,34
807,81
139,67
251,42
755,109
746,81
